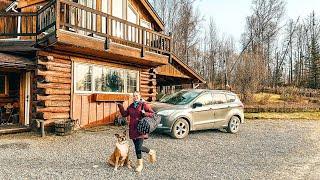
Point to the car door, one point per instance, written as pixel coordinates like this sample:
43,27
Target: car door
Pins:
220,108
202,117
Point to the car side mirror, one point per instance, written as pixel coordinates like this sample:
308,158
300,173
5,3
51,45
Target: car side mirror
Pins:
197,104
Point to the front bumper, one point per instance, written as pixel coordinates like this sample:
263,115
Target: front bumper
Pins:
165,125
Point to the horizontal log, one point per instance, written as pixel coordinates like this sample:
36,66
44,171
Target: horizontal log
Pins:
53,98
148,90
57,103
58,69
57,64
52,56
53,73
149,76
151,83
50,79
50,115
53,85
57,91
53,109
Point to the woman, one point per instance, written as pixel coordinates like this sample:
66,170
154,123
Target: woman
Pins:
137,110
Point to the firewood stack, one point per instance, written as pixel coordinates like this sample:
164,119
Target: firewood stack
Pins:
148,85
53,89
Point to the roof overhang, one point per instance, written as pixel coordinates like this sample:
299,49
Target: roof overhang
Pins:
14,61
178,73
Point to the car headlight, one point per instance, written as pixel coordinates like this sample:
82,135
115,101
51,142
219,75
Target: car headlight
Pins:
166,112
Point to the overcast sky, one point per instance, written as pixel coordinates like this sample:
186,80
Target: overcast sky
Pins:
229,15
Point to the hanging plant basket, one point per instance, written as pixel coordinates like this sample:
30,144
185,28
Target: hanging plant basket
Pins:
64,127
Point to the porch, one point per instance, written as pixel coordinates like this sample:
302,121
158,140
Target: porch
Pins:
68,26
15,92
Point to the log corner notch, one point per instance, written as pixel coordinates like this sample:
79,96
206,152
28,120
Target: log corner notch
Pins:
53,88
148,84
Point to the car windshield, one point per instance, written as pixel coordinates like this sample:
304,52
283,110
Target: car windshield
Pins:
180,98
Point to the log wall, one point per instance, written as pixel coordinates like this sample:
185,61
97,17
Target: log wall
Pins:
148,84
52,88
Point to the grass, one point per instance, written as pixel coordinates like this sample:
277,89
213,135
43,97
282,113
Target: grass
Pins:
298,115
270,98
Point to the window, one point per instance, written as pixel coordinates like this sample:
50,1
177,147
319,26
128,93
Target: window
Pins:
219,98
3,85
101,79
231,98
83,74
205,99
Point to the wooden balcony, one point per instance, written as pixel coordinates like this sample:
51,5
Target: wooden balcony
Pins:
67,26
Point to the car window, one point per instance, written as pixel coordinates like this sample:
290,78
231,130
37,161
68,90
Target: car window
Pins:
219,98
180,98
231,98
205,99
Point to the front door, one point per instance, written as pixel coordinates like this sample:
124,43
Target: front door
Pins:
203,116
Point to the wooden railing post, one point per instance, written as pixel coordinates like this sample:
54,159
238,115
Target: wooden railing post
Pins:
107,41
58,14
143,45
170,47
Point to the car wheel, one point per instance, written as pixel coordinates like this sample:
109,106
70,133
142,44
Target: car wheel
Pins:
234,124
180,129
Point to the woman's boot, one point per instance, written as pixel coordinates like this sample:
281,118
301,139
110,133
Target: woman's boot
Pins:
152,156
139,165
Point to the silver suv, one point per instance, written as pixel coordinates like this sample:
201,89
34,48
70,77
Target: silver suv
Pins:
196,109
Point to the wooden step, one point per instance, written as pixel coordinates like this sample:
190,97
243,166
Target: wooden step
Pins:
13,129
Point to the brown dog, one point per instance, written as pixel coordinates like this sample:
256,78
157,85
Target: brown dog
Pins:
120,155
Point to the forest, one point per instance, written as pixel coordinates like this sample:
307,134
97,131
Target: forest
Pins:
275,52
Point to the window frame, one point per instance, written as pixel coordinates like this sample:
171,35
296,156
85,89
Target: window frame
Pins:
93,84
6,86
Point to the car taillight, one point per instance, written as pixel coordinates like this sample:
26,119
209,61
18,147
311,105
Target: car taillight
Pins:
241,105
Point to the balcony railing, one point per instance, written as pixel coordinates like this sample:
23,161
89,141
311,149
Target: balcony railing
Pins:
76,18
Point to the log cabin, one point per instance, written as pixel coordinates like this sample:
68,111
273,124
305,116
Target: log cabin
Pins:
72,59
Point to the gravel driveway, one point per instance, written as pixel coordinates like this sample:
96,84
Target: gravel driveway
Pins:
263,149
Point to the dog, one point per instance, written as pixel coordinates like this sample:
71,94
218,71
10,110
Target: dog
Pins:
120,155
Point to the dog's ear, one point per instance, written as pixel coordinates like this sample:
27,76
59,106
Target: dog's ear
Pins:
117,135
125,132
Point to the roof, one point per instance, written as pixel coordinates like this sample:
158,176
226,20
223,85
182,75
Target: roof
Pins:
16,61
153,13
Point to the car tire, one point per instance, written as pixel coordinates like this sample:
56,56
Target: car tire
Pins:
233,125
180,129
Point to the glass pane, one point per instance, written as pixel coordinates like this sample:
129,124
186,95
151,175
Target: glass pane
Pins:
83,75
114,80
180,98
132,80
205,99
219,98
98,78
2,84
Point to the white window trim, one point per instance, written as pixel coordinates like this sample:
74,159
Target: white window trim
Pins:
93,91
